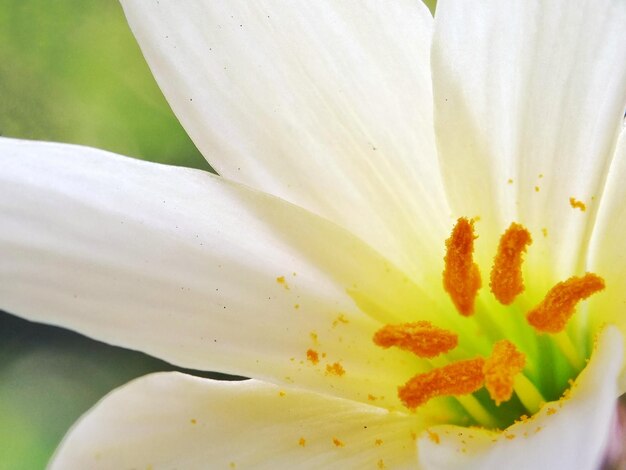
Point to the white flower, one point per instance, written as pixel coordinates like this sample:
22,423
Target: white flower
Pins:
349,136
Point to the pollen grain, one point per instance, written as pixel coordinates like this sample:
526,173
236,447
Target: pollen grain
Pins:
458,378
506,273
552,314
461,277
421,338
500,369
576,204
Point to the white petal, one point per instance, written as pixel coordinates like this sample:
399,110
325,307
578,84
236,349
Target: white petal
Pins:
171,420
569,434
325,104
533,91
607,252
183,265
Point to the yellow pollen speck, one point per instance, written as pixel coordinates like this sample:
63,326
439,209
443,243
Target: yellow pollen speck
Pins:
313,336
381,463
544,231
506,280
232,465
552,314
510,181
302,442
296,306
510,436
536,189
193,421
337,442
461,277
371,397
500,370
457,378
340,319
378,442
312,356
421,338
550,411
281,280
540,175
433,436
576,204
335,369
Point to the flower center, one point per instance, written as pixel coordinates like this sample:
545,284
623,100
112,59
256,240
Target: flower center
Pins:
505,376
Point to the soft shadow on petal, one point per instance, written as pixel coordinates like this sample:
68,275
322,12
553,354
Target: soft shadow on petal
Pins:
531,91
325,104
171,420
190,268
571,433
607,252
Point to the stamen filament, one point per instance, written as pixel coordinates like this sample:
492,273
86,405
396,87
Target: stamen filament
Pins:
477,411
531,398
564,342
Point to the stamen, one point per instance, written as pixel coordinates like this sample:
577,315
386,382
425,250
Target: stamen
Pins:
500,370
421,338
506,273
458,378
552,314
461,278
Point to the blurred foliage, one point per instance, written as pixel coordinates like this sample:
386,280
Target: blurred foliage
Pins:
70,71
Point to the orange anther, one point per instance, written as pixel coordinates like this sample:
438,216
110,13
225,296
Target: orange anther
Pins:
552,314
421,338
458,378
506,273
461,278
500,370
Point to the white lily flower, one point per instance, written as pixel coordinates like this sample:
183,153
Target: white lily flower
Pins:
350,138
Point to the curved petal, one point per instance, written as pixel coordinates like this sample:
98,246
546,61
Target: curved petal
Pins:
570,433
532,92
325,104
171,420
188,267
607,251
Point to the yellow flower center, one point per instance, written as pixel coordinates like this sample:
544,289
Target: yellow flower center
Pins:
505,373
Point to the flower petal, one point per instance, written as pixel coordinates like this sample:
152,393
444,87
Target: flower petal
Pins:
171,420
530,91
570,433
325,104
193,269
607,251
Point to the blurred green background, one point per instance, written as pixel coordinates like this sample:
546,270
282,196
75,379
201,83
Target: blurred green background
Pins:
70,71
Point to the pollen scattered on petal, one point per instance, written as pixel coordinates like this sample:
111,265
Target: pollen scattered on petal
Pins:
552,314
302,442
281,280
338,442
458,378
421,338
506,280
378,442
576,204
461,277
433,436
500,369
335,369
312,356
